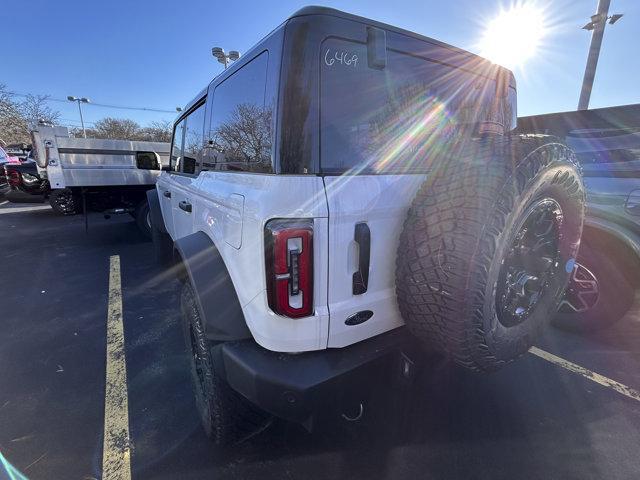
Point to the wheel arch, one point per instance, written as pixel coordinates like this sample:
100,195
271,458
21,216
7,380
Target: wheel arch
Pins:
622,243
200,263
154,208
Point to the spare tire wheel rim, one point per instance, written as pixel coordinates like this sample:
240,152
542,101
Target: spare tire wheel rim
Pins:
531,261
582,292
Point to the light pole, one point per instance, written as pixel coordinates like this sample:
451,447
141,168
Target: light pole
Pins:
80,100
597,24
224,58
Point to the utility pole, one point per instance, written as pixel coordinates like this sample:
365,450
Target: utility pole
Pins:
80,100
597,25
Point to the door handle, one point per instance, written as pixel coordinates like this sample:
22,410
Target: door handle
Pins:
184,205
167,193
362,237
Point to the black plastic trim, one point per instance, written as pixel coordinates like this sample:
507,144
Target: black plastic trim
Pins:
293,387
156,213
215,294
185,206
362,237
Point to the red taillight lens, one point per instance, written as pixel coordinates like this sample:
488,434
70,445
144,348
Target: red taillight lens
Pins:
289,257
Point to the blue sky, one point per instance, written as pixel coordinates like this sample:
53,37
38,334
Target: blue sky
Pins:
157,53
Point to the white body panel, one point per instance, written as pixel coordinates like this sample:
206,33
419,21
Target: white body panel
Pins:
232,209
381,201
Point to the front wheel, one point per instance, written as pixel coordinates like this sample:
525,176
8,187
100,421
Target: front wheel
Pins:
227,417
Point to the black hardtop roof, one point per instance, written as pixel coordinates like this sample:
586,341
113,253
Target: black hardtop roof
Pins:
327,11
317,10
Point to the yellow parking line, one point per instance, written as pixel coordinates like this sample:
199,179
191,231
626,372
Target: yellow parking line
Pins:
116,453
586,373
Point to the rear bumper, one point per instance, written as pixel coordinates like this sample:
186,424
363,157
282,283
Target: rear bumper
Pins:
293,386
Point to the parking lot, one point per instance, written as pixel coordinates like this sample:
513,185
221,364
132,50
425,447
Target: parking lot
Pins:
545,416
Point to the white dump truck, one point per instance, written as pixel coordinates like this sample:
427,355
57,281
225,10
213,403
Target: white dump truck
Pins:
104,175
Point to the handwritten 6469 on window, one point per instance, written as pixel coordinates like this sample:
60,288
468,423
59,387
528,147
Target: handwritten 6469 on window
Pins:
335,57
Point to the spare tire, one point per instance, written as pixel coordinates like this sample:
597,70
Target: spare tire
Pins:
487,248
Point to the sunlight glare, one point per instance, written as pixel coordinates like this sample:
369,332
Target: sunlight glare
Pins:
514,36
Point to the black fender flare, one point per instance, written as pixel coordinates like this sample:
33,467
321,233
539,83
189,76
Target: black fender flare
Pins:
215,294
156,213
617,228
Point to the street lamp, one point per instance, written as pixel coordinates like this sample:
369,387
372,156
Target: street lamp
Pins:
224,58
597,24
80,100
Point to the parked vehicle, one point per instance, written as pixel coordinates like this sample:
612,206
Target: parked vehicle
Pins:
24,181
344,196
607,144
18,150
4,160
111,175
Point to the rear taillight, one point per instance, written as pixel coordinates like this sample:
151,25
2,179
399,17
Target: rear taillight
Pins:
289,261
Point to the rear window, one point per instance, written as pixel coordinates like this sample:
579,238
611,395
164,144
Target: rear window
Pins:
394,119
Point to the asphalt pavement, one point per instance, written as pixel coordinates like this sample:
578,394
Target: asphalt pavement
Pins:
534,419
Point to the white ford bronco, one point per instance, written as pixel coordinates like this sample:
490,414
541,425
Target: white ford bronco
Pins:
346,196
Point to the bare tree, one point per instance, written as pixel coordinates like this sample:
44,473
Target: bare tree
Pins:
113,128
16,118
117,128
35,109
13,126
158,131
126,129
246,136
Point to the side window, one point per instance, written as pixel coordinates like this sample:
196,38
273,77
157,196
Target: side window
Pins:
147,161
175,161
240,136
193,141
605,145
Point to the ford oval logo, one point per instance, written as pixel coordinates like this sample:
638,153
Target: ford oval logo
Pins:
359,317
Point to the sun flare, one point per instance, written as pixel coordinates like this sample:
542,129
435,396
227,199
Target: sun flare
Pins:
514,36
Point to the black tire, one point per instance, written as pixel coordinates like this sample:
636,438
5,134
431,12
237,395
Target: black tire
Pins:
65,202
227,417
598,294
143,218
454,277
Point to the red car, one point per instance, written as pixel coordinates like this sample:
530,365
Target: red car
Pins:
5,159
